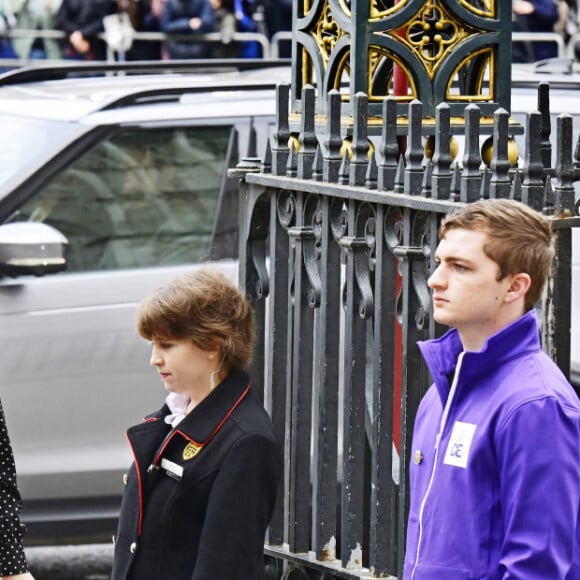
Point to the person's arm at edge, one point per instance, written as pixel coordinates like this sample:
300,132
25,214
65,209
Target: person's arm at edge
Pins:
12,503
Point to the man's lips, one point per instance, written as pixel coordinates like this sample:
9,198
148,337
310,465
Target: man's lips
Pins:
439,300
164,375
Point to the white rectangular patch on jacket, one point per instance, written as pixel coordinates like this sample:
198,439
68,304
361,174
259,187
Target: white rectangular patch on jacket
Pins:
459,445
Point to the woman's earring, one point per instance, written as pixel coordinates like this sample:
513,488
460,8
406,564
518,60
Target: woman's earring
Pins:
212,380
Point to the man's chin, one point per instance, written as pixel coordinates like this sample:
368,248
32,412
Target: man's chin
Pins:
440,318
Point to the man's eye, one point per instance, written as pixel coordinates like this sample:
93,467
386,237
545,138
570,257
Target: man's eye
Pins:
460,268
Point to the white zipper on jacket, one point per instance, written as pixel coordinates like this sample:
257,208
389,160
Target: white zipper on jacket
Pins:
437,441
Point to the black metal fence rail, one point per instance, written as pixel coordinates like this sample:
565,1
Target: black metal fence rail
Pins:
337,242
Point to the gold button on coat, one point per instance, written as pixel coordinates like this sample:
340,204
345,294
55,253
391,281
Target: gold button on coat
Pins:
133,548
125,479
418,457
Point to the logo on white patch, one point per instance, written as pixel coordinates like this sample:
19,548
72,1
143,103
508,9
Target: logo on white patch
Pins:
457,453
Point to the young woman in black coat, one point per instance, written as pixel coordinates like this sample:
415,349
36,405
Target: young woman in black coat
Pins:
201,491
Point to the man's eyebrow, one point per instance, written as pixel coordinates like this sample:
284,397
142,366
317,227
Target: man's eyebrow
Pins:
453,259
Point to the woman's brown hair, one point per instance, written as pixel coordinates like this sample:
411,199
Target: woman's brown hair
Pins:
205,307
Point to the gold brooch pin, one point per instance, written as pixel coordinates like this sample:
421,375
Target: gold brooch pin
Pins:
191,450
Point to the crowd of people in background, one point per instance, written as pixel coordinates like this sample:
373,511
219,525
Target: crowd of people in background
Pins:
82,23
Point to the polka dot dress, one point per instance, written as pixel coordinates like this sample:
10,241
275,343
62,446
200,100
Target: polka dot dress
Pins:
12,558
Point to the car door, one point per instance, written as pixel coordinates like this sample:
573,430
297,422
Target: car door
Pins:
138,208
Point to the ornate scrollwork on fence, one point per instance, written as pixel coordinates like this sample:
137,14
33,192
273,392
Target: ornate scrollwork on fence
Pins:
451,51
311,248
257,246
421,234
365,238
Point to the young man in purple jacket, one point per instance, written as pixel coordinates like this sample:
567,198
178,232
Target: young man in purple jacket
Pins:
495,475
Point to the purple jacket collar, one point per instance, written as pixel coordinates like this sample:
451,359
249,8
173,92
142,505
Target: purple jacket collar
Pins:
520,337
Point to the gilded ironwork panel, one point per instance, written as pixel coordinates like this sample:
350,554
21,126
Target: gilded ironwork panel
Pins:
430,50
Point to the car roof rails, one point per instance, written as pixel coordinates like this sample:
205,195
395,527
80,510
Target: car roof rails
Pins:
172,94
554,66
44,72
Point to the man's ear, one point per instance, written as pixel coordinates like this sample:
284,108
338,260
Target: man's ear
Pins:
519,286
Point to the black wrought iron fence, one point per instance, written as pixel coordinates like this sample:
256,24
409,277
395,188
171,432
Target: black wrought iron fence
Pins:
337,242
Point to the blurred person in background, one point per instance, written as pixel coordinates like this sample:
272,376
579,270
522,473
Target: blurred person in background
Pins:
82,21
145,16
226,25
37,15
534,16
278,15
13,565
571,24
244,12
188,17
7,22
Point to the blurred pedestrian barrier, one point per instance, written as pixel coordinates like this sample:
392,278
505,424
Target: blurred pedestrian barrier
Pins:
270,48
213,38
532,37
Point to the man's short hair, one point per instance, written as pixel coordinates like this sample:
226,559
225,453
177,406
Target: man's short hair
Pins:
519,239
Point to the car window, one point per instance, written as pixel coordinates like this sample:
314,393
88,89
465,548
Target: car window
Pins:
140,198
27,140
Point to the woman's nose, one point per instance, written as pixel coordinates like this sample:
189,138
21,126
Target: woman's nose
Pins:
155,359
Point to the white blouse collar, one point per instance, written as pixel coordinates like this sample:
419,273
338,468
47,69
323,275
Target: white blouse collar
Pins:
177,404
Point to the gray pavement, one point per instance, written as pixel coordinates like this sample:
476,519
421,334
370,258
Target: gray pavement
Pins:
83,562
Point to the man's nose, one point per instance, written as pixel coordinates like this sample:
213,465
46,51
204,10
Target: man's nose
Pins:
436,278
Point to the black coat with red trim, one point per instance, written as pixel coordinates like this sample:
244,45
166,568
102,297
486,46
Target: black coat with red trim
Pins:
199,497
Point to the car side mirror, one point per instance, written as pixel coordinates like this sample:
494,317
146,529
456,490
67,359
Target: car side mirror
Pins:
31,249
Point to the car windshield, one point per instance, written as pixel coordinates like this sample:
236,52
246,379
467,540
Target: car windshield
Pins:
26,139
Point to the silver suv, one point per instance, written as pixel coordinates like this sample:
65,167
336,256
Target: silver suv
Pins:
124,168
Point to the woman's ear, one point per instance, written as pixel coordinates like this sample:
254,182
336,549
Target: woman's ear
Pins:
518,288
215,351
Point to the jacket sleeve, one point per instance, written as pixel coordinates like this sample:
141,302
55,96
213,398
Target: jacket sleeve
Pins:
12,558
172,22
539,460
239,510
94,25
207,16
545,12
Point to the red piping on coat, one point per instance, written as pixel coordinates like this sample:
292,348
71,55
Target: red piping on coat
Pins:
203,443
139,485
